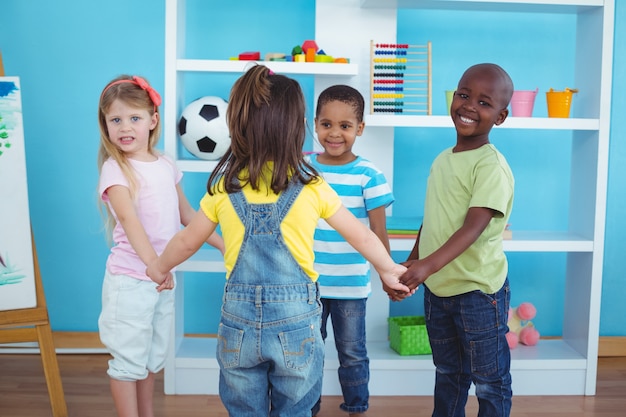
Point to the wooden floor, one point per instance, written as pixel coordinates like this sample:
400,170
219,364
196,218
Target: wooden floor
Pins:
23,393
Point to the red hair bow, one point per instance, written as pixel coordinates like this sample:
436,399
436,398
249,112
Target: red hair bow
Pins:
152,93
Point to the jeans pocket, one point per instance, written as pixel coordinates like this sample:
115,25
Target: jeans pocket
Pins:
228,346
484,356
298,347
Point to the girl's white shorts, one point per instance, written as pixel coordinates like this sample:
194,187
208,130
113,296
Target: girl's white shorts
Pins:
135,325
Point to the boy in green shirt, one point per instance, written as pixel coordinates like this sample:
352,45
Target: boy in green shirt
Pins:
458,255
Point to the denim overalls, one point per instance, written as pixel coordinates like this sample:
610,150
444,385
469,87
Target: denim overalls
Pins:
270,348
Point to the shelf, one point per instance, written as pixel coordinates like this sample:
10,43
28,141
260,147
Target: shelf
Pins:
544,123
196,165
210,260
205,260
535,6
524,241
413,375
310,68
554,367
531,241
558,352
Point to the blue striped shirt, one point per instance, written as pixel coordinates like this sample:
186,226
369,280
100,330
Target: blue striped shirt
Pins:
344,272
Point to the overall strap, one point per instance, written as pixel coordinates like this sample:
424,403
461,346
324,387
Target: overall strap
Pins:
286,199
284,203
240,204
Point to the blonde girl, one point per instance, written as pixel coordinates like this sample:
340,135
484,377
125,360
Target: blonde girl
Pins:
146,206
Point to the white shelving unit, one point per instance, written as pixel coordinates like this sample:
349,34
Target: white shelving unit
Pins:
565,366
191,366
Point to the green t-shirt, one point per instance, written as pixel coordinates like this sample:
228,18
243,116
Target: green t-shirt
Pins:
457,181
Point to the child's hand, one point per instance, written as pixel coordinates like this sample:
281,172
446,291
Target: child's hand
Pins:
391,281
394,295
167,284
152,271
417,272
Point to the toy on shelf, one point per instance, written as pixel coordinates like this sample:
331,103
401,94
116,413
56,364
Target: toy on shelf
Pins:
310,52
522,102
307,52
521,329
202,128
400,78
275,56
403,227
559,102
250,56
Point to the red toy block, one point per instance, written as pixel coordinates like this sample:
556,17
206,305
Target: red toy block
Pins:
250,56
310,44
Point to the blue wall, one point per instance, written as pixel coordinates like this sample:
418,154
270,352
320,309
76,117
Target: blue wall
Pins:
65,51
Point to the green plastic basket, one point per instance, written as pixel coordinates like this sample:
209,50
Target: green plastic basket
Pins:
408,335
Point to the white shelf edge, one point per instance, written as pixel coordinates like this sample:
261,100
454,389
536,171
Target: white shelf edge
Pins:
545,6
548,354
544,123
33,348
210,260
524,241
205,260
312,68
196,165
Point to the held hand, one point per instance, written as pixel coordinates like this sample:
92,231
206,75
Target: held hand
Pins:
152,271
416,274
167,284
391,280
395,295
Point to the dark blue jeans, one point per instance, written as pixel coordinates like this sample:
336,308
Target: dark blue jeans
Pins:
467,336
348,321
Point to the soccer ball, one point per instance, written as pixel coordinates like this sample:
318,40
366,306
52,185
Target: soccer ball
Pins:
202,128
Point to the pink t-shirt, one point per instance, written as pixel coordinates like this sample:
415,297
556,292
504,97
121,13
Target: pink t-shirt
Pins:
156,203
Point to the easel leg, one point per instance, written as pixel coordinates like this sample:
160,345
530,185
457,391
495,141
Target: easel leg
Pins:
51,371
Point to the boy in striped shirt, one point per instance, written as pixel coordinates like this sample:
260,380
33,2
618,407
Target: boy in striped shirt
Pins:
344,274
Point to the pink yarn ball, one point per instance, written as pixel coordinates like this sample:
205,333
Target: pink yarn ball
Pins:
511,339
526,311
529,336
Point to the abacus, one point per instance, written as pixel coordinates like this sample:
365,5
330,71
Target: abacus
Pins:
400,78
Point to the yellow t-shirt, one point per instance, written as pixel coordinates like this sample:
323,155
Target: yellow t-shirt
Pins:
316,200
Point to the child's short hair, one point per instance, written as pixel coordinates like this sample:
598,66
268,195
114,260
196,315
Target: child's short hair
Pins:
500,73
345,94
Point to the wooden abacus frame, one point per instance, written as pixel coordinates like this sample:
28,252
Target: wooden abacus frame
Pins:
389,76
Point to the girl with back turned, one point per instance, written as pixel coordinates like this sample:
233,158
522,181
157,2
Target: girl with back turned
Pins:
268,200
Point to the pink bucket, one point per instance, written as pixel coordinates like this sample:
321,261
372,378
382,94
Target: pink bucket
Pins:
522,102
